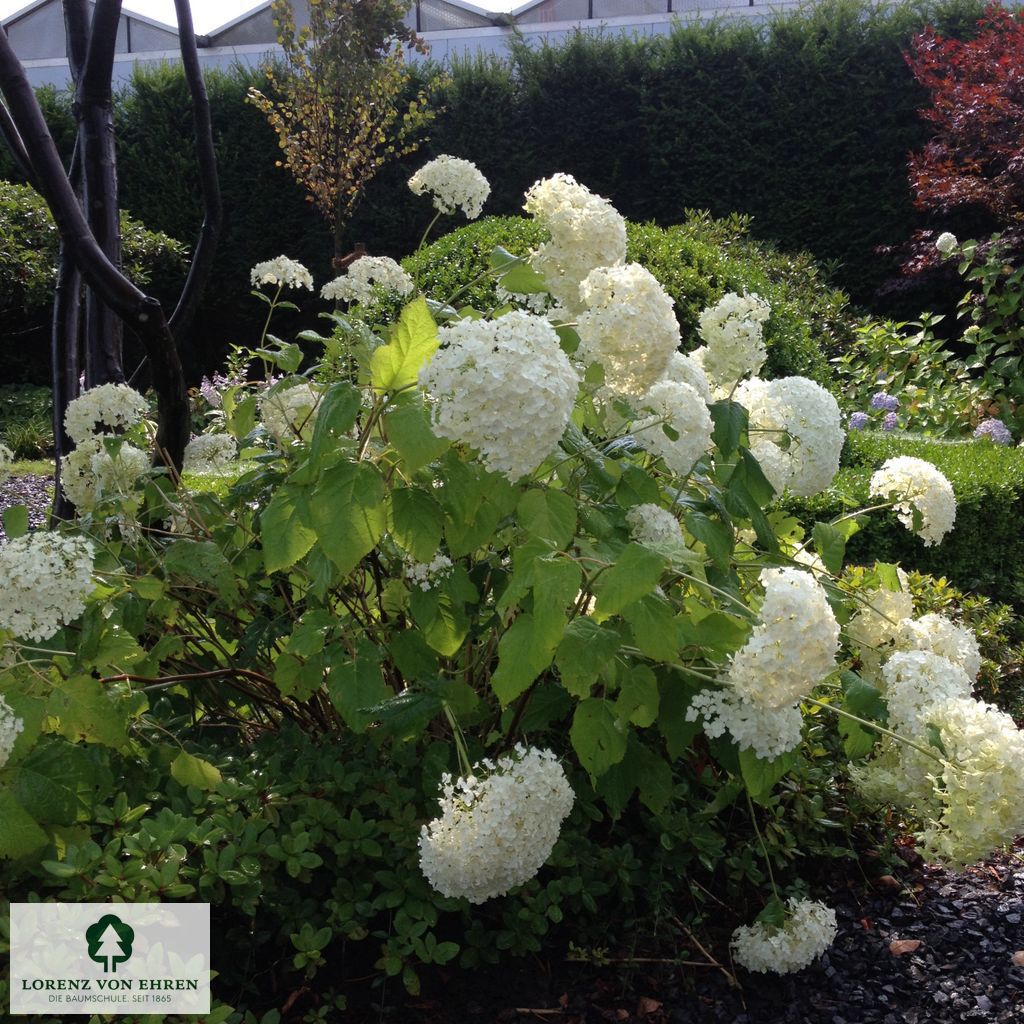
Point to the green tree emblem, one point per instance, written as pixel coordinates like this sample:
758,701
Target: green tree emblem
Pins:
110,942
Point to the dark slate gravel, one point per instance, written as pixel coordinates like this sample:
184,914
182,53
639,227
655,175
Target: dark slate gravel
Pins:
36,492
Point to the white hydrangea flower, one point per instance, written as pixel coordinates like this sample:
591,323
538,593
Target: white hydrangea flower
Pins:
503,387
733,334
941,636
538,303
283,272
769,732
628,326
808,560
210,453
796,430
916,679
290,413
586,231
111,406
496,832
946,242
809,930
425,575
659,530
873,630
793,647
10,727
917,486
47,578
453,184
685,413
685,369
364,276
90,474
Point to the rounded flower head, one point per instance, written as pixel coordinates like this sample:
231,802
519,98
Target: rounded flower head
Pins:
946,242
92,473
881,401
684,413
733,334
282,272
10,727
858,420
657,529
872,632
916,679
586,231
364,277
769,732
995,430
924,497
108,407
290,413
628,326
810,928
453,184
890,421
793,647
503,387
685,369
496,832
941,636
799,411
47,578
210,453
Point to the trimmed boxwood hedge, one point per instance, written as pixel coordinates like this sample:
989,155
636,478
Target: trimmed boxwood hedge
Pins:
696,262
984,552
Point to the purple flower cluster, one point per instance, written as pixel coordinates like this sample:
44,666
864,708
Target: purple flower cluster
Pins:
880,400
995,430
858,420
890,421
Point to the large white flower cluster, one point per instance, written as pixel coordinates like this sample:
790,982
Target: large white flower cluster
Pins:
453,184
793,647
91,473
656,528
290,413
796,432
10,727
365,276
210,453
809,930
496,832
586,231
628,326
733,334
919,491
944,637
47,578
789,652
283,272
684,369
503,387
678,407
913,681
110,406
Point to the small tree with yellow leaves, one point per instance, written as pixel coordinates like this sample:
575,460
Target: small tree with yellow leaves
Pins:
342,111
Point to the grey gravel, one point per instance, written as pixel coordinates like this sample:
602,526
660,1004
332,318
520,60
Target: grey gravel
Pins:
35,492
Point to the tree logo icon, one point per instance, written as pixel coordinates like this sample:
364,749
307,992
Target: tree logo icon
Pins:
110,942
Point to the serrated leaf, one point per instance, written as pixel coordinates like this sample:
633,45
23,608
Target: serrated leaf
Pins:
521,658
638,696
396,366
416,522
347,511
81,709
15,520
730,420
58,782
336,416
548,514
408,428
21,834
830,542
355,684
654,627
286,533
188,770
634,575
597,736
760,775
585,648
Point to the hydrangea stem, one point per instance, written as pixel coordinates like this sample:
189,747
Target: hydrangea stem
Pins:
875,726
460,742
764,847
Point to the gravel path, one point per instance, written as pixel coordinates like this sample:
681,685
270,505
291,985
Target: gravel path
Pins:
34,491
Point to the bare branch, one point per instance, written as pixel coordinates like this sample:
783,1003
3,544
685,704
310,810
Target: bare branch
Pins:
213,211
12,137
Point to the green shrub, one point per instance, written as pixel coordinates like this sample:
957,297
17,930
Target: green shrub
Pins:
696,262
985,550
